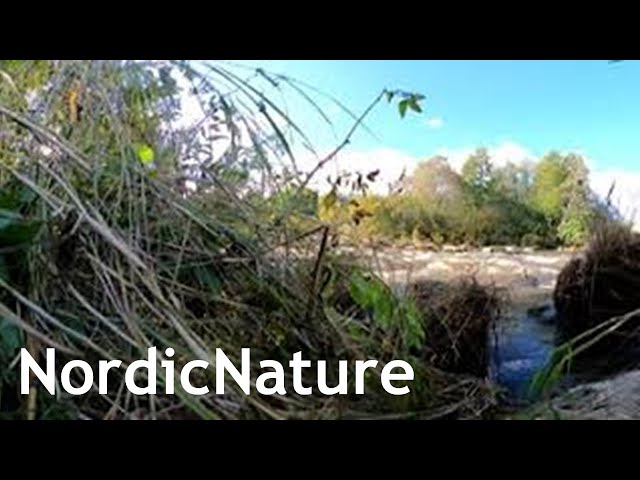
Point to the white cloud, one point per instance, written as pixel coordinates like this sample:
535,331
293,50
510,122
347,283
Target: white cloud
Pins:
500,154
510,152
434,122
626,193
390,162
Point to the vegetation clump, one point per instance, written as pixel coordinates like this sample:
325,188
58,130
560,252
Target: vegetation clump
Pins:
460,318
546,204
120,231
601,284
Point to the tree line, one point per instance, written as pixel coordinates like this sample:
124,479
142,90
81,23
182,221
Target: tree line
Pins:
546,204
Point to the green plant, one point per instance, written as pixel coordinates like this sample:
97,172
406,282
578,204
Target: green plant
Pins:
395,316
563,356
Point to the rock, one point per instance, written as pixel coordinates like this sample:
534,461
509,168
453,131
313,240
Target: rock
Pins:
617,398
545,314
425,245
539,311
384,243
455,248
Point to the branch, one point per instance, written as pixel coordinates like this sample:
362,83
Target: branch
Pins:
343,144
46,134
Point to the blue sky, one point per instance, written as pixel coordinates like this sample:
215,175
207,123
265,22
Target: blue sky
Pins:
593,106
515,108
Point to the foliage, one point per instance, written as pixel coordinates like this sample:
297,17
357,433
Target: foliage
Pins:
541,205
547,189
477,175
395,316
120,230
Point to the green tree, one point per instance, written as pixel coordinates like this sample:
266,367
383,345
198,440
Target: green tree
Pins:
436,184
439,204
548,189
513,181
477,175
578,208
561,193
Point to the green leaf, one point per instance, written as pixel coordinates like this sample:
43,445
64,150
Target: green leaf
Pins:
547,377
413,104
10,338
209,279
389,95
4,269
17,232
373,294
359,291
145,154
402,107
27,195
383,304
9,201
414,334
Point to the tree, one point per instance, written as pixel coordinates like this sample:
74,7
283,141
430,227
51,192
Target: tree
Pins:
547,191
513,181
477,175
436,184
561,192
578,208
439,200
306,202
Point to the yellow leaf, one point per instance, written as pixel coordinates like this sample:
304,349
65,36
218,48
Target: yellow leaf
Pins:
73,105
145,154
330,200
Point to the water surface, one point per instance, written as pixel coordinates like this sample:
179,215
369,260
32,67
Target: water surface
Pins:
521,343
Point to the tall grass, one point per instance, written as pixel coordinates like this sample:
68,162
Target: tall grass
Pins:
122,232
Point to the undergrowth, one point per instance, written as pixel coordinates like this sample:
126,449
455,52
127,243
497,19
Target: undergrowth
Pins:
120,231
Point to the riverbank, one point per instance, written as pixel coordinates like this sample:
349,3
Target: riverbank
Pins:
525,337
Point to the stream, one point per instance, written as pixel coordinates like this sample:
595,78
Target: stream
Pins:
522,341
520,344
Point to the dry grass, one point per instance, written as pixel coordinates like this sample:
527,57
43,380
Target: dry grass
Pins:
125,259
601,284
598,287
460,316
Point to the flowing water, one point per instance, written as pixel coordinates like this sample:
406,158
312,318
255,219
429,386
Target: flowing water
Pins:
520,344
523,339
